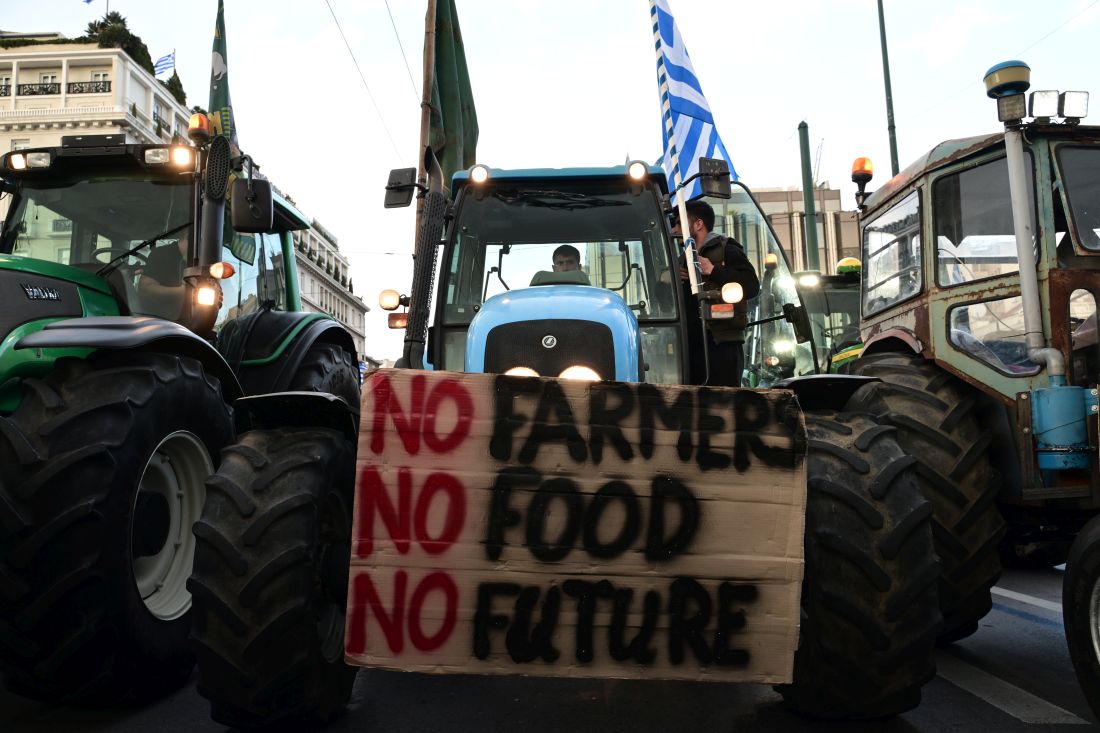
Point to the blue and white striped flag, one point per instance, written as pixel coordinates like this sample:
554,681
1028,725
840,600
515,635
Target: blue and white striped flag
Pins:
165,64
688,126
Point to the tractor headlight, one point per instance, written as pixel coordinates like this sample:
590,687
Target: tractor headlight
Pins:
156,156
479,173
582,373
23,161
521,371
732,293
206,296
637,170
183,156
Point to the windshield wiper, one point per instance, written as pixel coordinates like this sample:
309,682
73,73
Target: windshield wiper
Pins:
563,199
111,265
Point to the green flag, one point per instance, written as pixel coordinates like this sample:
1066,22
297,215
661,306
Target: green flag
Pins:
220,105
453,129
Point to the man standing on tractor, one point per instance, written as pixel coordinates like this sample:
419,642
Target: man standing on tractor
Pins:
721,260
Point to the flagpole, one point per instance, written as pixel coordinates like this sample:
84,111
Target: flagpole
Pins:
426,103
674,154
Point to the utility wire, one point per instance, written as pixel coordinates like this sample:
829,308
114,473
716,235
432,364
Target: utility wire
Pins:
365,85
1048,35
416,96
971,85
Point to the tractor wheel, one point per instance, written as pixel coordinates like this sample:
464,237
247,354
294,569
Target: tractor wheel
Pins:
270,580
1081,611
328,368
870,615
104,470
934,415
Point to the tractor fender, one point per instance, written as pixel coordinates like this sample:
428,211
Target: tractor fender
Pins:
140,333
295,409
825,391
268,347
893,339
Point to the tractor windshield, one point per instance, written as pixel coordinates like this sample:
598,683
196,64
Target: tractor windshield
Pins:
89,222
601,233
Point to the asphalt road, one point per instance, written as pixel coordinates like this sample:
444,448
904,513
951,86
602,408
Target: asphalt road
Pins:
1013,675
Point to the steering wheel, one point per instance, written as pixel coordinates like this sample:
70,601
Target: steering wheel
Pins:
144,258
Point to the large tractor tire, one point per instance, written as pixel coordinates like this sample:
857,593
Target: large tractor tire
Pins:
270,580
328,368
870,615
934,415
1081,611
104,469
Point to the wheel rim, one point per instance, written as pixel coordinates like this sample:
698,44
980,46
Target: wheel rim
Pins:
175,476
1094,619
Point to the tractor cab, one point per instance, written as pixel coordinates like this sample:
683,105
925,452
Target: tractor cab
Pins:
576,273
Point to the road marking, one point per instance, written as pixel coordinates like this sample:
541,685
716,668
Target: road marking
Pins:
1024,598
1018,703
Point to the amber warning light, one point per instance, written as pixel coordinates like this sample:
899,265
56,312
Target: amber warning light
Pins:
198,128
861,176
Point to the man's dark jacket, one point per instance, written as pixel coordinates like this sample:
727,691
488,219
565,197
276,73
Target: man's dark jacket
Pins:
730,266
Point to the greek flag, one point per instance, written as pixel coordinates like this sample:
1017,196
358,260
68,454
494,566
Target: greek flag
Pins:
688,130
165,64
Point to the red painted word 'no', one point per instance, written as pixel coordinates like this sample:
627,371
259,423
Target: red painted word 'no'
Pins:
420,419
403,522
400,616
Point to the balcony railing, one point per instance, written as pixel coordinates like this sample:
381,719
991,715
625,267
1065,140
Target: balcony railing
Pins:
89,87
31,90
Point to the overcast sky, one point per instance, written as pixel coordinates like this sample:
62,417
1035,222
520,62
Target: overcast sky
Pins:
573,82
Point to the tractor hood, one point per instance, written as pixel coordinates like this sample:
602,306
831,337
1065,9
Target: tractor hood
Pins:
52,270
548,328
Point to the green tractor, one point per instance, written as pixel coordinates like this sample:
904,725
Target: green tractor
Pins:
989,370
832,304
145,324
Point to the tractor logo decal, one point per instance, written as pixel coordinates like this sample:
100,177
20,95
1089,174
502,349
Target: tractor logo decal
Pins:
549,341
40,292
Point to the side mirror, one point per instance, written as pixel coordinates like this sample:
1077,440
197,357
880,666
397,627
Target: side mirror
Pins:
799,319
400,188
253,211
714,178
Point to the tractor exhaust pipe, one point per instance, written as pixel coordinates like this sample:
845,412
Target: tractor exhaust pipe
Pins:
1037,349
427,239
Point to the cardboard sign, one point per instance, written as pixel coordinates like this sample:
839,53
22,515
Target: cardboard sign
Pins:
512,525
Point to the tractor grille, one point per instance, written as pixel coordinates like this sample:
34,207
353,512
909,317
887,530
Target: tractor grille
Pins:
582,343
27,297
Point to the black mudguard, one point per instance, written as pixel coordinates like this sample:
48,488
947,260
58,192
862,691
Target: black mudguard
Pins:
266,348
141,333
295,409
825,391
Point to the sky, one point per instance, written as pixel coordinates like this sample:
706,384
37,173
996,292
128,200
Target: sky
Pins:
560,83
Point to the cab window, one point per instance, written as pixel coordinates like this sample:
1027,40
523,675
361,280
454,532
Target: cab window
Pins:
891,256
972,217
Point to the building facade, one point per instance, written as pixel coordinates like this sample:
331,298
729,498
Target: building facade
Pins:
50,89
837,231
325,282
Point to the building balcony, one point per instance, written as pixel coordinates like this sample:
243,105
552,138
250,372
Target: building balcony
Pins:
63,115
89,87
5,91
35,90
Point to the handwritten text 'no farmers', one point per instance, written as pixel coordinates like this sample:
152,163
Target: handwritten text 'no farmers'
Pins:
544,527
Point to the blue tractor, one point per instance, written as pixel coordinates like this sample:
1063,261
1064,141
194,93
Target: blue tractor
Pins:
575,274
